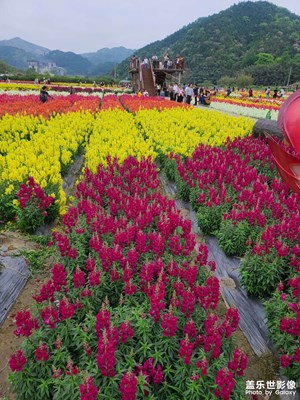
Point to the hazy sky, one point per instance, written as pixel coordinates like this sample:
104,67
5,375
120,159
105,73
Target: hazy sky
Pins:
88,25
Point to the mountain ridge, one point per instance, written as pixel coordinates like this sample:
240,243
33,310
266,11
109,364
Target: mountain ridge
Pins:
22,44
17,51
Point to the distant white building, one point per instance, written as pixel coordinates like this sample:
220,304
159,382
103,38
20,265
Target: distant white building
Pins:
33,64
51,67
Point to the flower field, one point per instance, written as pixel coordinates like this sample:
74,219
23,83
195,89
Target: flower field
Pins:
249,107
23,87
129,310
69,125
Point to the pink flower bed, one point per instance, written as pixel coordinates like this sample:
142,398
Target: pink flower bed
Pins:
129,308
239,198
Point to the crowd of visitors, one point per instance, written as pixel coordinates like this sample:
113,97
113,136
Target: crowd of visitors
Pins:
276,94
188,93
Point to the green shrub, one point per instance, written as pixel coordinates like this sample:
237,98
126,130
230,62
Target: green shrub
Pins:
170,168
194,196
260,274
183,188
209,219
233,237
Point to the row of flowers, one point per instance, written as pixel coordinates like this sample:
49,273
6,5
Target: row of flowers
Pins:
42,149
28,103
111,132
239,198
180,130
54,94
79,88
258,96
265,104
129,309
31,105
250,111
136,103
153,133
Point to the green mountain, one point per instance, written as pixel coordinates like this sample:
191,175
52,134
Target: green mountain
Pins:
28,47
255,38
14,56
16,52
113,55
102,69
6,69
73,63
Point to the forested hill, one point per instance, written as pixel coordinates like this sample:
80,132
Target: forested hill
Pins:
254,38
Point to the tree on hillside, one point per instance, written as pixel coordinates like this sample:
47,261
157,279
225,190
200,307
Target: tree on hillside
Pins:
284,58
226,81
264,59
5,68
244,80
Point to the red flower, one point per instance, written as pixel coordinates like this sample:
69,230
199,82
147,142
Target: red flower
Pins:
78,278
186,350
128,386
17,361
25,323
158,376
285,361
239,362
225,382
169,324
88,391
41,352
202,364
126,331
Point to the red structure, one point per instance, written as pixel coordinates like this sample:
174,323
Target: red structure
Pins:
288,164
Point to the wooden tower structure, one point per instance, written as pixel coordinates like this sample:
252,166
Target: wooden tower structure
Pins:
147,77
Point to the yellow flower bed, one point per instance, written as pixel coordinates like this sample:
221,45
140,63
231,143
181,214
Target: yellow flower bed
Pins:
119,134
19,86
180,130
115,134
14,129
50,149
